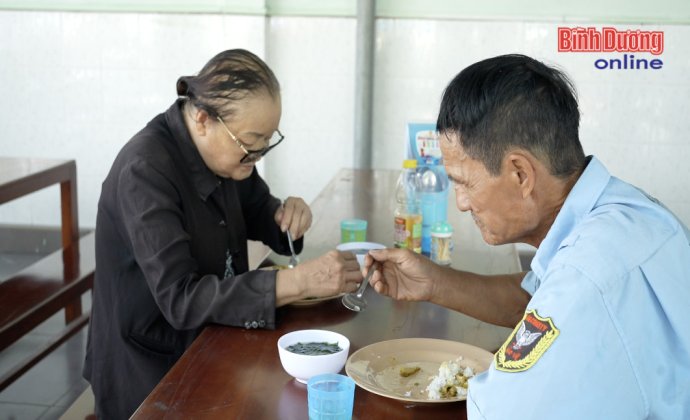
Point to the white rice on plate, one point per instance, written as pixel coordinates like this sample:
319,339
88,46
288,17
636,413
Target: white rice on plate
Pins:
451,380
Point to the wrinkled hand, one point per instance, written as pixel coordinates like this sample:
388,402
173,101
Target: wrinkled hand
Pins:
401,275
330,274
294,215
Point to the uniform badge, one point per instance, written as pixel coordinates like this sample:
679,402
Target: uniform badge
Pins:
529,340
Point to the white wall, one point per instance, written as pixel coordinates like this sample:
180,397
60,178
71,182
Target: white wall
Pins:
80,85
636,122
314,60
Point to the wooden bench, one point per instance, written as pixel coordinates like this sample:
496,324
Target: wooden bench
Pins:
39,291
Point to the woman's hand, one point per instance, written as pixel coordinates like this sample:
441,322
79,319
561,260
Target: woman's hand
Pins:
294,215
328,275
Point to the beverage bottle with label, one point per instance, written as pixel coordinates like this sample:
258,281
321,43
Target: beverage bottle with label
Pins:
408,217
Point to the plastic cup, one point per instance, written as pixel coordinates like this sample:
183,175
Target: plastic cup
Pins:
330,396
353,230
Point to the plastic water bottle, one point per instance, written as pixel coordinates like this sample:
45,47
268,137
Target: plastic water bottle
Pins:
408,218
433,198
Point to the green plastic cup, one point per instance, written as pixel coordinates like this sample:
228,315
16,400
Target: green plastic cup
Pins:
353,230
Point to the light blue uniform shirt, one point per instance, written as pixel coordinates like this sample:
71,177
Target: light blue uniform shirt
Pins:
613,276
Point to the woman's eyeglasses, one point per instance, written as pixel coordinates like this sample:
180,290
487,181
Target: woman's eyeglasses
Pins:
251,156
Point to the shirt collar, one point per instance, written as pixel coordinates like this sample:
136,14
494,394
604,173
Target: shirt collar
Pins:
580,201
203,178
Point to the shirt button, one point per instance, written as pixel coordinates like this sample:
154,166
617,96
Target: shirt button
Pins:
262,323
255,324
221,223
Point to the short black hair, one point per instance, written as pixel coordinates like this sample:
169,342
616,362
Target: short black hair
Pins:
514,101
228,77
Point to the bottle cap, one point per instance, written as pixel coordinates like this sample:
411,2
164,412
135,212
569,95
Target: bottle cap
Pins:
442,229
410,163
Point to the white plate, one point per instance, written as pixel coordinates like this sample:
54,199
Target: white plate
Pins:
376,367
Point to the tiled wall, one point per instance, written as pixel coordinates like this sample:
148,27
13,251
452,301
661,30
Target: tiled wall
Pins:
636,122
81,84
314,60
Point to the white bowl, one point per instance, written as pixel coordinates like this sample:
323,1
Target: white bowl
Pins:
302,366
360,249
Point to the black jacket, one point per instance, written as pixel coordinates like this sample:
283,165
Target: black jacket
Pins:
171,256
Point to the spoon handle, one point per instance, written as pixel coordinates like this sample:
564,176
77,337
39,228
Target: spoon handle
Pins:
292,247
365,282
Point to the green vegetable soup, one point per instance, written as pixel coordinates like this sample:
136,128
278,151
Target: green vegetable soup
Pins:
314,348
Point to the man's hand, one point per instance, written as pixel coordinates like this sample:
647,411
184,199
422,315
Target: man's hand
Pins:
402,274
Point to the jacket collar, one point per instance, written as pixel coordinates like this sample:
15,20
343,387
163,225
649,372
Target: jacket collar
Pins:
204,180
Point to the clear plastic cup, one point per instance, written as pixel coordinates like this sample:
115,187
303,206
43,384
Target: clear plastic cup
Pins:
330,396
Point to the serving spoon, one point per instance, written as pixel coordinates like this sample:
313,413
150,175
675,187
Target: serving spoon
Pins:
355,301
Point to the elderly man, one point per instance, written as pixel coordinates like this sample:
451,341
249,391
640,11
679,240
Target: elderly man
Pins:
602,322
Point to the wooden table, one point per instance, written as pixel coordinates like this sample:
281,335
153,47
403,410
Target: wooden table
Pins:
236,373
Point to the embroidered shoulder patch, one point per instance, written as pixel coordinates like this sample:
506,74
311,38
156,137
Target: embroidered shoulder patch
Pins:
529,340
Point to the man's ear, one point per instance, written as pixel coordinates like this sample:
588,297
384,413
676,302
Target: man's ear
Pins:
522,172
201,119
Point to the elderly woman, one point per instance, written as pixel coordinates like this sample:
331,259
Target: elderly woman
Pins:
176,210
